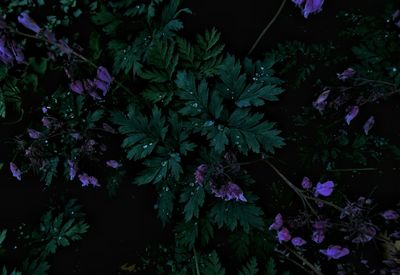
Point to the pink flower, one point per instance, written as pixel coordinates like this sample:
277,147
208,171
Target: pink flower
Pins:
278,222
325,189
15,171
284,235
28,22
368,124
346,74
335,252
306,183
352,112
297,241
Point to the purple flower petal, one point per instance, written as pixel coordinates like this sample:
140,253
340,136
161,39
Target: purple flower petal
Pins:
297,241
63,47
390,215
113,164
77,86
33,134
312,6
335,252
200,173
93,181
306,183
73,169
368,124
284,235
104,75
6,55
28,22
346,74
325,189
278,222
17,52
318,236
101,85
84,179
46,122
352,112
15,171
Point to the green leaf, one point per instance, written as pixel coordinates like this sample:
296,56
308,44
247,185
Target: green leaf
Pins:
165,204
3,236
210,264
251,268
194,199
270,268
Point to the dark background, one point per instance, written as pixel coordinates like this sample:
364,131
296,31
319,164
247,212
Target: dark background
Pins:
122,227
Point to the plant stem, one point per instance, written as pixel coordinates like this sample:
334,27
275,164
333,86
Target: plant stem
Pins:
267,27
196,261
305,261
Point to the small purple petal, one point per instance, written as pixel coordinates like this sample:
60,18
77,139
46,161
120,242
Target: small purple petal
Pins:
351,114
335,252
46,122
390,215
93,181
278,222
33,134
84,179
199,174
318,236
325,189
73,169
306,183
346,74
297,241
113,164
104,75
77,86
28,22
284,235
368,124
101,85
312,6
15,171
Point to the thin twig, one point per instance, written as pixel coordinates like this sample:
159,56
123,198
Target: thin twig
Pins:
305,261
267,27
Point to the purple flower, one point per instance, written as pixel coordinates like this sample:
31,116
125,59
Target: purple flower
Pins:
200,173
297,241
312,6
73,169
84,179
93,181
230,191
325,189
352,112
33,134
390,215
104,75
395,235
76,136
76,86
17,52
284,235
298,2
46,122
44,110
346,74
306,183
321,102
278,222
335,252
113,164
15,171
28,22
101,85
368,124
318,236
5,54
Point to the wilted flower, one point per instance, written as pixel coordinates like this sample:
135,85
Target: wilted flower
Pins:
113,164
311,6
348,73
352,112
73,169
390,215
321,102
368,124
318,236
33,134
76,86
325,189
284,235
28,22
15,171
200,173
335,252
297,241
278,222
306,183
